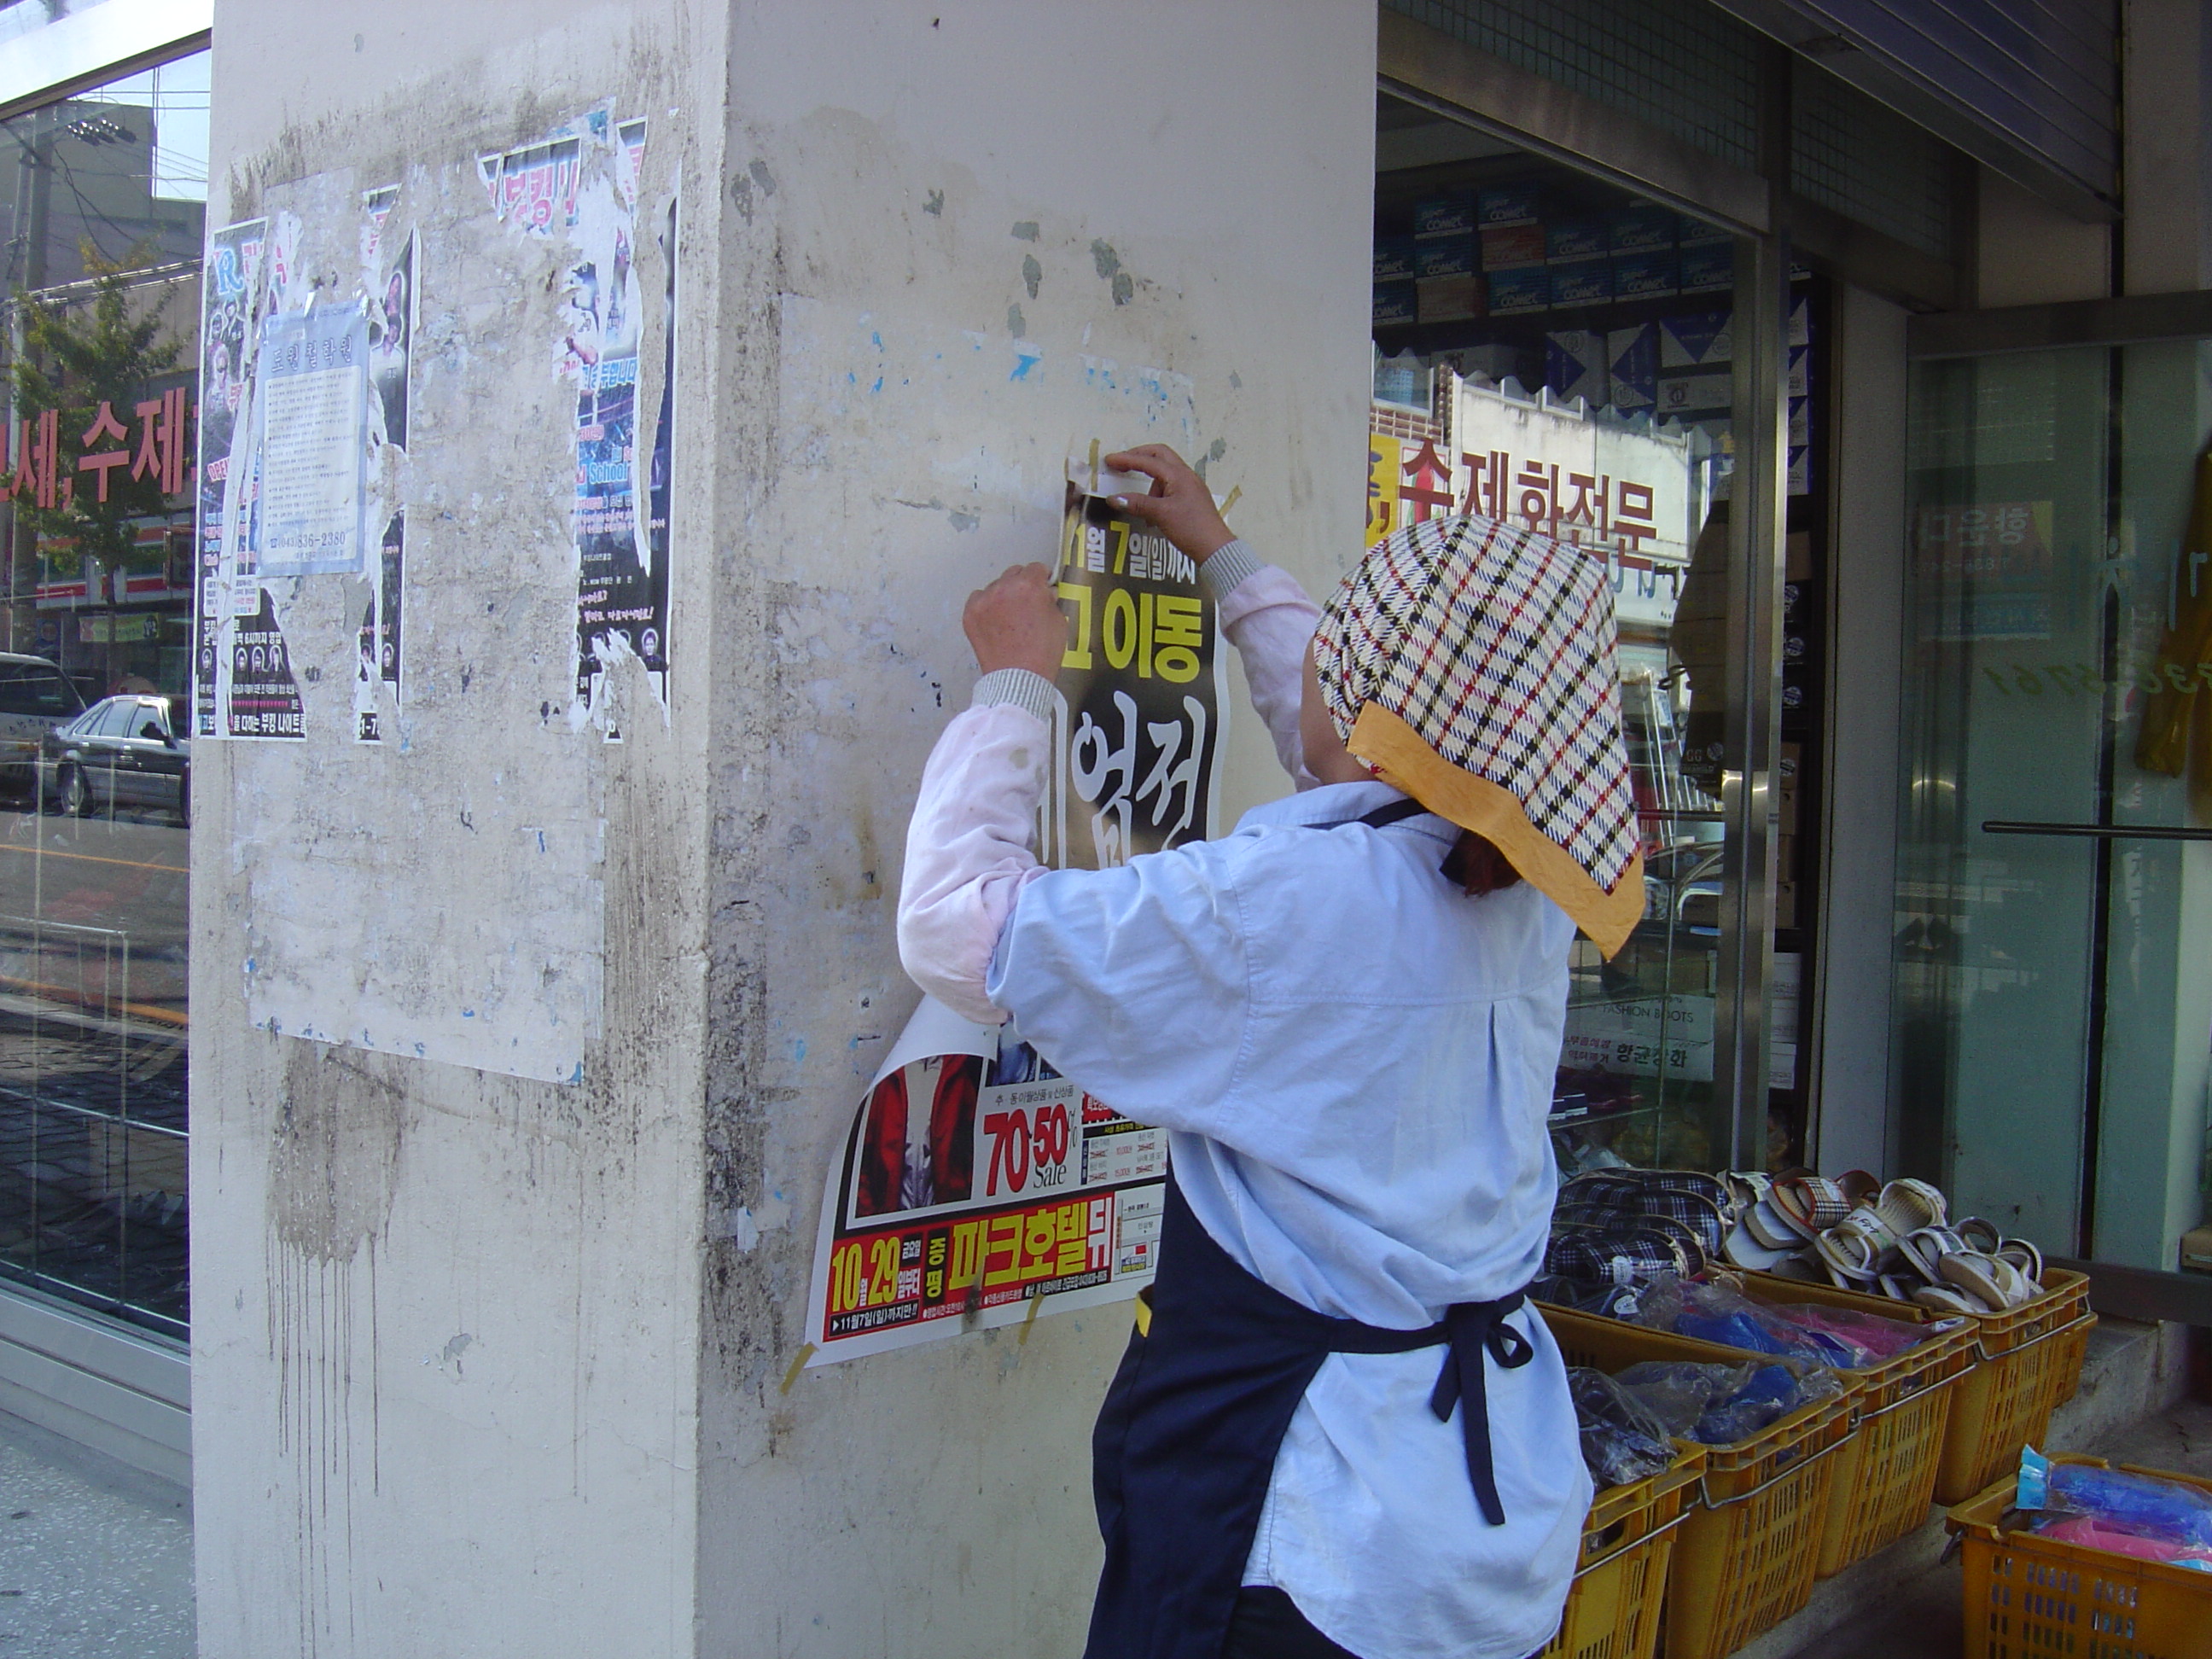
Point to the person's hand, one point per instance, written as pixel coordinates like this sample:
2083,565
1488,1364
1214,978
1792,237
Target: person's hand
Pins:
1016,622
1180,506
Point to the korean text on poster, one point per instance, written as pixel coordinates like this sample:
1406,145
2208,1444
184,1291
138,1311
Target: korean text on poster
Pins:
976,1181
1137,748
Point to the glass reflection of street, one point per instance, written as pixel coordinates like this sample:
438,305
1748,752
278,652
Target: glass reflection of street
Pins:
92,1025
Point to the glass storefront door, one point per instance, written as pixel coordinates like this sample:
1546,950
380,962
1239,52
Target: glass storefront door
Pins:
2053,944
1554,351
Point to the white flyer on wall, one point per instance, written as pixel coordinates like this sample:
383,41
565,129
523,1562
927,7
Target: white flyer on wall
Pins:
313,390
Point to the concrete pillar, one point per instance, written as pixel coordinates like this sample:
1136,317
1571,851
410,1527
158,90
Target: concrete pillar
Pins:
2027,252
2166,150
494,1335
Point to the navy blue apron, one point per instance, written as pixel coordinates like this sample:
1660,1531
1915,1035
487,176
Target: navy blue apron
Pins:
1185,1445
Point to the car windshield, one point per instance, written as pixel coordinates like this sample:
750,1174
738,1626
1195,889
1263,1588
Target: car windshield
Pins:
35,689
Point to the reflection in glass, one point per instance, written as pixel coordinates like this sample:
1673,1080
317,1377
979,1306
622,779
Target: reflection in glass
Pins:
2044,984
1552,352
102,200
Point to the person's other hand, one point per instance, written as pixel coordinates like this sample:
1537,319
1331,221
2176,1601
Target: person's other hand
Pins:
1180,506
1016,622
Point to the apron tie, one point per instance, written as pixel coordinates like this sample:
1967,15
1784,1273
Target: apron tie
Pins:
1470,1328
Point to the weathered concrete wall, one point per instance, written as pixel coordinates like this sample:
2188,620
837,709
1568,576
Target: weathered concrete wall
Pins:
494,1365
447,1321
971,238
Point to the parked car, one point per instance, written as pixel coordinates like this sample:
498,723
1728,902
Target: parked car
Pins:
131,750
35,697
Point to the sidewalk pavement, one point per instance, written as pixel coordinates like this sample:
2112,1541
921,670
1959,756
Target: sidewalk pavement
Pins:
95,1557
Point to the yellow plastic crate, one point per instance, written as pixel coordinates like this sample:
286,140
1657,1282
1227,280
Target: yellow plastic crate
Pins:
1743,1558
2005,1402
1620,1579
1885,1478
2073,1341
2065,1300
2028,1597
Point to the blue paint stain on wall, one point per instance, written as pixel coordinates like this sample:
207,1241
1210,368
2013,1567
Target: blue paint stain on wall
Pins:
1026,359
798,1051
878,385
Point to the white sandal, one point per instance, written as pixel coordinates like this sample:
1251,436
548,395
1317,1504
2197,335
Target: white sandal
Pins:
1996,1282
1743,1247
1979,1235
2022,1256
1855,1247
1766,1224
1908,1206
1926,1248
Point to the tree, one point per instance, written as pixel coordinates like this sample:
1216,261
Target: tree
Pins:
81,356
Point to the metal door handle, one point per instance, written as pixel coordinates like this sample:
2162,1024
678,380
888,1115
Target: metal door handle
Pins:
2092,831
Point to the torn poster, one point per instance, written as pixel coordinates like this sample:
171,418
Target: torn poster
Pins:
390,329
265,698
977,1186
647,601
230,298
313,393
242,682
378,691
380,636
582,184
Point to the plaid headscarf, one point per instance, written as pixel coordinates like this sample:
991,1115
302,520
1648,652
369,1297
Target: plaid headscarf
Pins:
1471,665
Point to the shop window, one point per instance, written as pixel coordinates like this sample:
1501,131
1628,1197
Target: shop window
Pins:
1557,354
102,214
